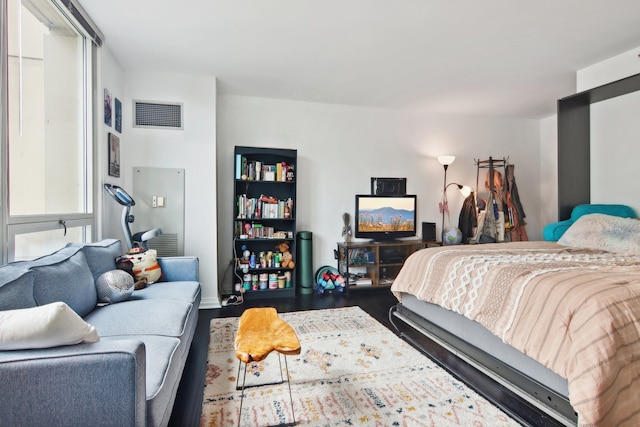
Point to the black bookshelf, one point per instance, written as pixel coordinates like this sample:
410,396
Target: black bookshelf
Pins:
264,219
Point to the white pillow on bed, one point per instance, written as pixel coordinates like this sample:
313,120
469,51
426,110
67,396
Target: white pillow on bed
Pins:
605,232
49,325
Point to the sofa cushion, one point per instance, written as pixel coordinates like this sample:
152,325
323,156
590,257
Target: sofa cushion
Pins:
163,371
101,256
182,291
49,325
159,353
16,288
66,278
142,317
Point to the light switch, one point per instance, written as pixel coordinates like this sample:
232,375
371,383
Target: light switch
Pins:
158,201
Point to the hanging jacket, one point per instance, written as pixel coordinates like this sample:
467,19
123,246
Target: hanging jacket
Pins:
517,215
468,219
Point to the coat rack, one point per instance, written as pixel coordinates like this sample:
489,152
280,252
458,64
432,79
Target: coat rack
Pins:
504,216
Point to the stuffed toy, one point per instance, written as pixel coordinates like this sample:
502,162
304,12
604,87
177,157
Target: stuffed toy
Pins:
287,258
125,264
145,265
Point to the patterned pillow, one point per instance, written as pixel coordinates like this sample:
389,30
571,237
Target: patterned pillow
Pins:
605,232
114,286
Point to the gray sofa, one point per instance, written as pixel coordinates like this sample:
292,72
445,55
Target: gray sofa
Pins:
131,375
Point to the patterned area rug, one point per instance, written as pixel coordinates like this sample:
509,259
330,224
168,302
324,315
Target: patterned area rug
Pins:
352,371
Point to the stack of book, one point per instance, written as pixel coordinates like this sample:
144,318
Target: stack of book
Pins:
264,207
257,171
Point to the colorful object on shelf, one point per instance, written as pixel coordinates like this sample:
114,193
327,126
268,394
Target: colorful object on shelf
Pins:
328,279
273,281
286,259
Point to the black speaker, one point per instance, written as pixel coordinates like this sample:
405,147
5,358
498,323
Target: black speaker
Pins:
389,186
429,231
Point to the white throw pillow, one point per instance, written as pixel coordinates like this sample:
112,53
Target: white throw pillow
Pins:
604,232
49,325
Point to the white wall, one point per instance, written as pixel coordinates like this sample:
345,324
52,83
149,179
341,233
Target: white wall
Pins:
615,151
549,170
110,76
615,130
192,149
341,147
615,68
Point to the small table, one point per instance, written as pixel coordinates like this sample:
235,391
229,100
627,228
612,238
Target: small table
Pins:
261,331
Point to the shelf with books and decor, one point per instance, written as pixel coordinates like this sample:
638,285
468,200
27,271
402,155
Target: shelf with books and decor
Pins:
264,229
375,264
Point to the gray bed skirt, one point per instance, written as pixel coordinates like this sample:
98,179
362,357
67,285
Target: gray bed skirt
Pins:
477,346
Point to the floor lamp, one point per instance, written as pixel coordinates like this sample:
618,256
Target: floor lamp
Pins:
445,161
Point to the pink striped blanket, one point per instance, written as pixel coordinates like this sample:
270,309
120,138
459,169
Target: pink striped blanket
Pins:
577,311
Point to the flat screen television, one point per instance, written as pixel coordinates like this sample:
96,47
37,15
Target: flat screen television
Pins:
383,218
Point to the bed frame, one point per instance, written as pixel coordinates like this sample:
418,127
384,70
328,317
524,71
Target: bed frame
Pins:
520,386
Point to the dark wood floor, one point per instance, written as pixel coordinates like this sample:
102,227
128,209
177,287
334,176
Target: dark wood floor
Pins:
188,404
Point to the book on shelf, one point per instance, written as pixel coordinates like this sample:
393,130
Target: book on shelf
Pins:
364,281
360,256
264,207
254,170
239,166
251,230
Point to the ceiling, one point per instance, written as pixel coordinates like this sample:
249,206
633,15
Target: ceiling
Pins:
489,57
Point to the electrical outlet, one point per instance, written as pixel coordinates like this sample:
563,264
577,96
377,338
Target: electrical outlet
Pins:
158,201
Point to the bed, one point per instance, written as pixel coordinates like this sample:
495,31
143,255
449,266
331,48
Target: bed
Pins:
558,323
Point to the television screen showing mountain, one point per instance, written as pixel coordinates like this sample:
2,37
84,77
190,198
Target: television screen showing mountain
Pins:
386,215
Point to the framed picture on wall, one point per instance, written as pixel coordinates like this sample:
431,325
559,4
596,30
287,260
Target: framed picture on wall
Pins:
118,121
107,107
114,155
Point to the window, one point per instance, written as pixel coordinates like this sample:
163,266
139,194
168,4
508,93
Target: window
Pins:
48,140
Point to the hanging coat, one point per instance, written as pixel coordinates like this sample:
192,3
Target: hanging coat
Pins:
516,211
468,219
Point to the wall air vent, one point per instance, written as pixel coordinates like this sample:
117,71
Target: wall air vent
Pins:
166,245
158,115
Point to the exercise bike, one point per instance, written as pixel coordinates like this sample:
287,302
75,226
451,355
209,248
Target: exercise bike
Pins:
137,240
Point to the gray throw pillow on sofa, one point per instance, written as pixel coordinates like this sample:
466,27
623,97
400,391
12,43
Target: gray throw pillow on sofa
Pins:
69,280
101,256
16,288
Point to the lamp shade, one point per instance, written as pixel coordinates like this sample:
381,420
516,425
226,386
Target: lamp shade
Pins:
466,190
446,160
